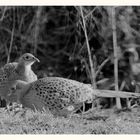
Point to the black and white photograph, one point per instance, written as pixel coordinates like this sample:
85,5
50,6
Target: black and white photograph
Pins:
69,69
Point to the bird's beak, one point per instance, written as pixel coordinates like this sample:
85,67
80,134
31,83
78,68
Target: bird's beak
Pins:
36,59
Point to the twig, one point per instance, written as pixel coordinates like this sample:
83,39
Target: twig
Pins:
118,103
102,65
3,14
22,37
90,13
89,52
87,67
122,85
12,38
37,27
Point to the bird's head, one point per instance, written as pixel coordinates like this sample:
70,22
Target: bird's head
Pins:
28,59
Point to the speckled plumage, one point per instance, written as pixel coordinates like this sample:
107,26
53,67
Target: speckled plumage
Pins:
59,95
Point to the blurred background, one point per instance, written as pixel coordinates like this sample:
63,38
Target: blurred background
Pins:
56,35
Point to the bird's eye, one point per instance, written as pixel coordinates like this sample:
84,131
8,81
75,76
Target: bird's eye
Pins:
13,88
27,57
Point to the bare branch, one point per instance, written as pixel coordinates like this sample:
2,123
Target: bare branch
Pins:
91,12
12,38
3,14
101,66
117,94
115,56
93,80
37,26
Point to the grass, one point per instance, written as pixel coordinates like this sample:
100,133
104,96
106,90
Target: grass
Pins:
99,122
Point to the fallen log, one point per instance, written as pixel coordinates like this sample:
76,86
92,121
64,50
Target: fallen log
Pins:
115,94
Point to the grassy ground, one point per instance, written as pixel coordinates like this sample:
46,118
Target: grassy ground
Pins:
98,122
